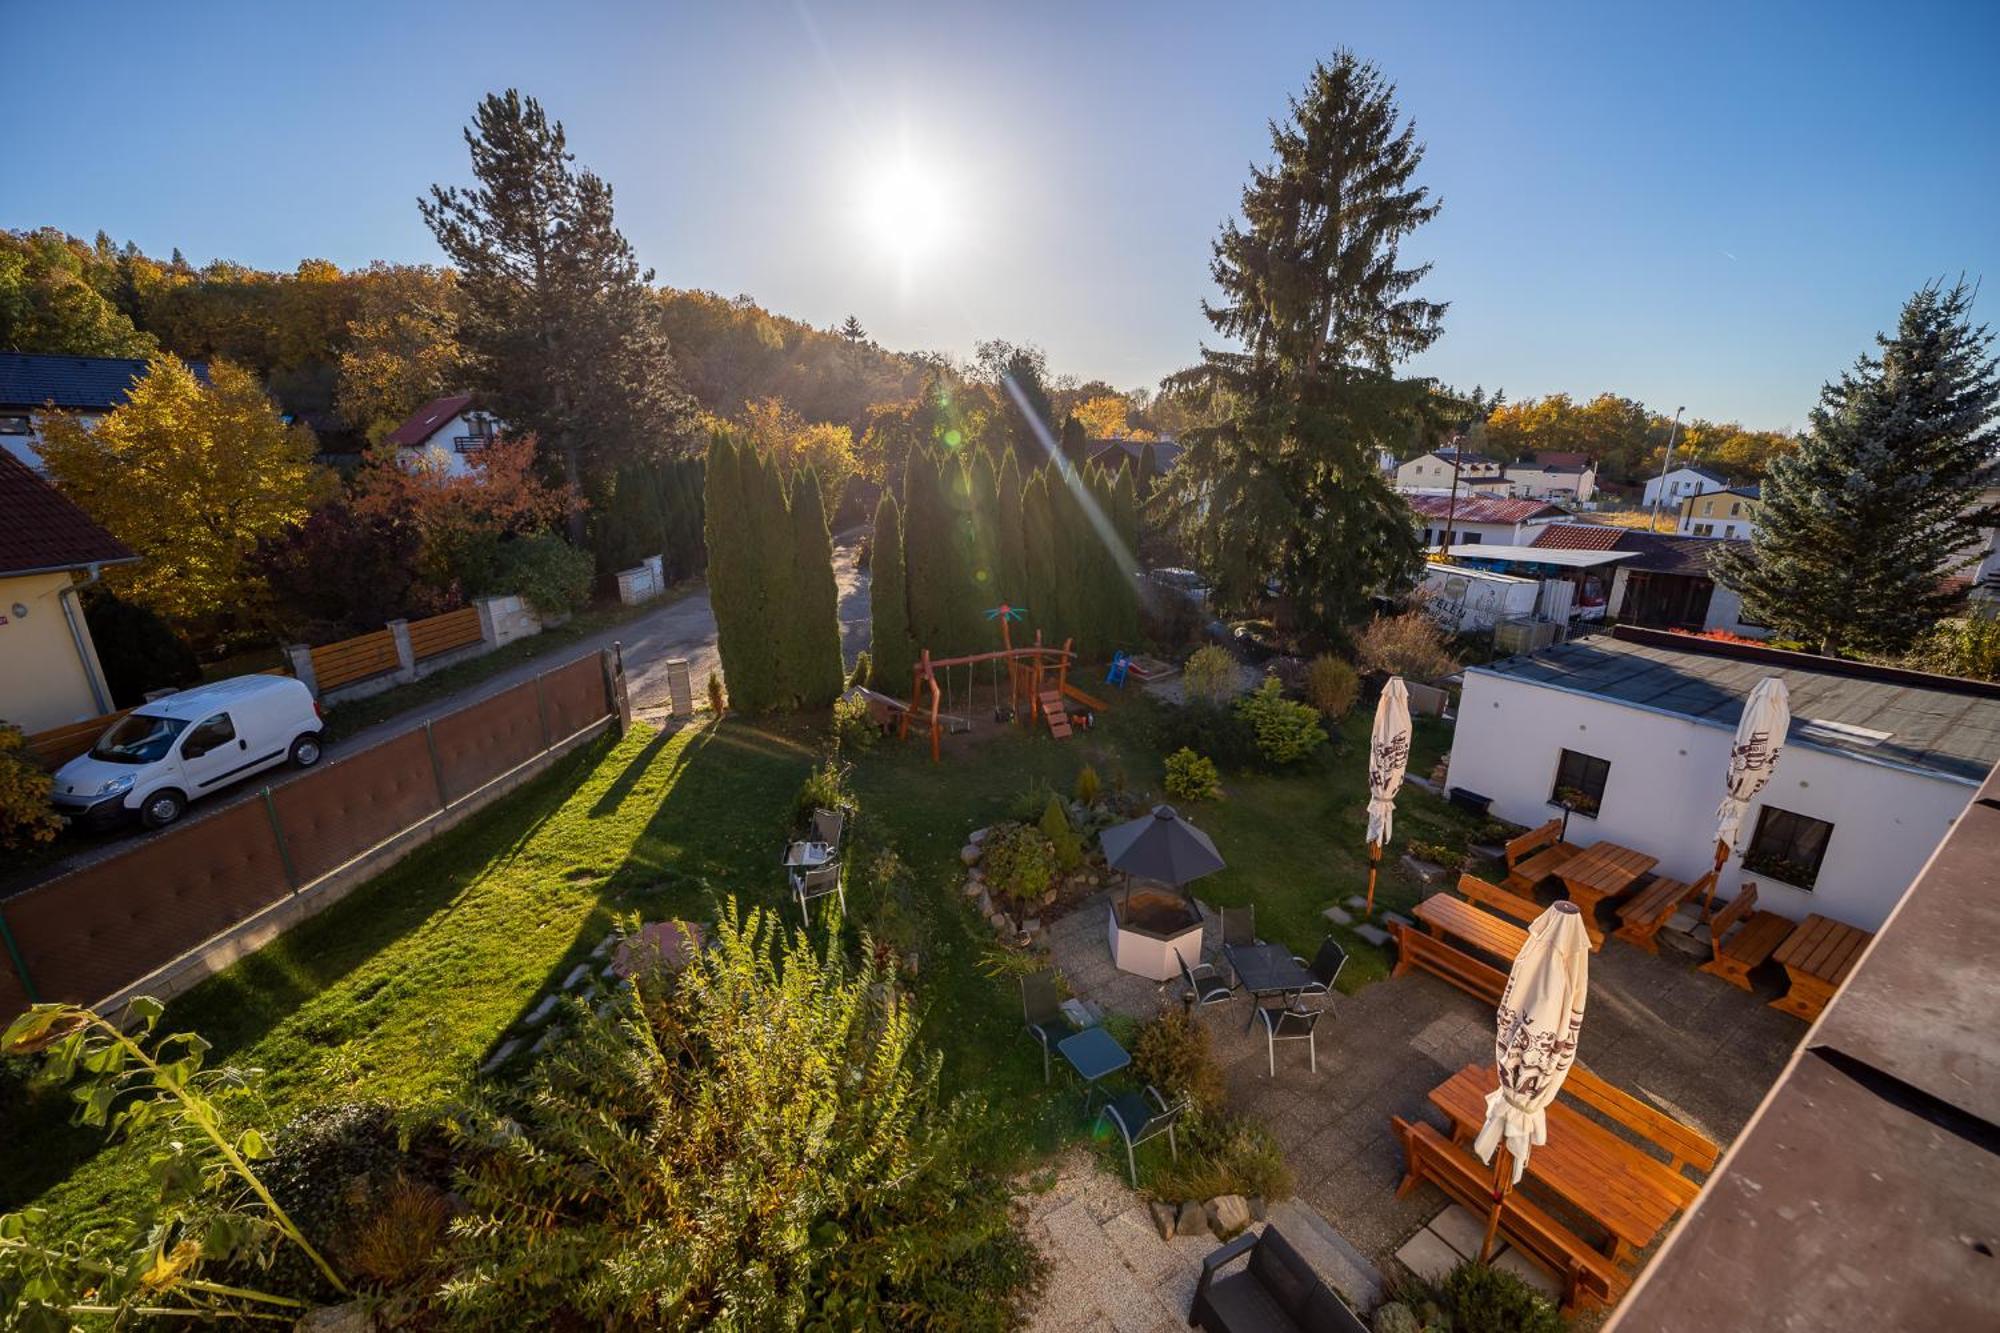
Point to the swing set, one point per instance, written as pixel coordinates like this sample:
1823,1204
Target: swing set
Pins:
1038,686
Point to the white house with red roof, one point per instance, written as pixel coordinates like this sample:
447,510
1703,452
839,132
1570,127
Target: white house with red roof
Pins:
448,431
1471,518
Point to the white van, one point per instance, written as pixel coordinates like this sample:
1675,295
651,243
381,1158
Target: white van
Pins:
156,759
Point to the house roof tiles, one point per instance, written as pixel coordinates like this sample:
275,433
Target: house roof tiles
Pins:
77,383
1480,508
429,419
43,531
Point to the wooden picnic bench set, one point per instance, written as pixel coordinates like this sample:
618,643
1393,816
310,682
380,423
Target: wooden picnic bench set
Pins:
1625,1168
1461,936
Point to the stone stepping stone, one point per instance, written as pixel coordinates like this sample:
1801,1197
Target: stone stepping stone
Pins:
1399,919
540,1013
604,945
1375,935
1340,916
576,976
1357,903
501,1056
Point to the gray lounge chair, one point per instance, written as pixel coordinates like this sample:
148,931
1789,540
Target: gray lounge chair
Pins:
1239,925
818,883
1325,966
828,826
1041,1009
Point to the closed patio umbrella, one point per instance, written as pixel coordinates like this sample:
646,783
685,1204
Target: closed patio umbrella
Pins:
1388,758
1160,846
1760,735
1534,1044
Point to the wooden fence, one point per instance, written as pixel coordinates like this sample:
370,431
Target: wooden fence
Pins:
441,634
365,655
89,935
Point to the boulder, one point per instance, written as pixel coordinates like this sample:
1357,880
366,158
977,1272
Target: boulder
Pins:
978,836
1228,1214
1163,1218
969,853
1032,924
1191,1220
973,888
1395,1317
352,1317
985,902
1257,1208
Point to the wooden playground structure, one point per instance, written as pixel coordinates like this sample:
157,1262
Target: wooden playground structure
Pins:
1037,689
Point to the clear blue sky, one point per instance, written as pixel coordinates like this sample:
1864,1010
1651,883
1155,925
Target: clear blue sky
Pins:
1712,206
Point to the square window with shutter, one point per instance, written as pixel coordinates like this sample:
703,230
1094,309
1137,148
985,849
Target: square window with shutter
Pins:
1580,780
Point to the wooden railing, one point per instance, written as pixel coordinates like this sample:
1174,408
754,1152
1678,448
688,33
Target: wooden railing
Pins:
441,634
365,655
58,745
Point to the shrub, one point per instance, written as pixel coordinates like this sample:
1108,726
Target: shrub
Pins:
1087,785
1190,777
1331,686
26,817
715,699
1172,1053
1019,861
1966,646
1438,855
1224,1154
853,730
549,574
864,669
1062,835
399,1232
825,788
1476,1298
1409,645
1286,731
138,650
1210,675
759,1144
1034,798
1211,729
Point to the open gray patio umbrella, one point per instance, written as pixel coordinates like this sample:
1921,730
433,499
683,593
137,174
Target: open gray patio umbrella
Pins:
1160,846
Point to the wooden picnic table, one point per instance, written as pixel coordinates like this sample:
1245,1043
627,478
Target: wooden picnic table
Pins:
1444,915
1817,957
1631,1193
1601,871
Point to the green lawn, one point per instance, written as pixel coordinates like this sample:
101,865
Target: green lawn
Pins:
401,990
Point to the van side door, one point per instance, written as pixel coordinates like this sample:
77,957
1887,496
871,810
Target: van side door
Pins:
211,753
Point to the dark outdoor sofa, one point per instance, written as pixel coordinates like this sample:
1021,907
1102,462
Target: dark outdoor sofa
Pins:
1277,1290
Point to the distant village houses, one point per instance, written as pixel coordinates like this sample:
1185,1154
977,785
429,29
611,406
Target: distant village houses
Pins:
1570,477
1728,514
450,431
32,385
1677,484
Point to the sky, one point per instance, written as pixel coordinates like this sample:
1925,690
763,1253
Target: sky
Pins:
1714,207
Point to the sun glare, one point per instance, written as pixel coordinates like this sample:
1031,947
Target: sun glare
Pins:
905,209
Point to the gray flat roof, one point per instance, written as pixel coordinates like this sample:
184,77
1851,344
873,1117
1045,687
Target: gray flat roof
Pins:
1954,732
1567,557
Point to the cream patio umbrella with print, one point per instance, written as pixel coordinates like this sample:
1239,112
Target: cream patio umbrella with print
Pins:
1388,757
1760,735
1534,1044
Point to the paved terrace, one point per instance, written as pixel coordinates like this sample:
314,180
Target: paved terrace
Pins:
1689,1043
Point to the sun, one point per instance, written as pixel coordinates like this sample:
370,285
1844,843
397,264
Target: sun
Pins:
905,209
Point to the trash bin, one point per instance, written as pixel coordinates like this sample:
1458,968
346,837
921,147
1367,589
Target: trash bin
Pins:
1470,800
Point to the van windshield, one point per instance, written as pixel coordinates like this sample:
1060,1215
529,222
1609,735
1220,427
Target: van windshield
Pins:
138,739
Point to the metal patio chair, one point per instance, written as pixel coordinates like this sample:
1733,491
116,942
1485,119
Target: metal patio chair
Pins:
818,882
1142,1116
1041,1011
1289,1024
1203,985
1325,966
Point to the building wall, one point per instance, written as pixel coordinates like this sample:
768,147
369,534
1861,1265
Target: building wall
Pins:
1490,534
28,448
1529,482
1428,472
1666,780
1680,484
43,681
1719,514
440,450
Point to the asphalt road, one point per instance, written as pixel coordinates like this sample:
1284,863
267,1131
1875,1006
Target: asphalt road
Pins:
684,627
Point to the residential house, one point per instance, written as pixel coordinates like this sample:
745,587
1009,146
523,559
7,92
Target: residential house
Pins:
1553,476
1434,471
1471,519
49,673
1730,513
1665,584
1635,728
448,430
1149,459
33,384
1680,483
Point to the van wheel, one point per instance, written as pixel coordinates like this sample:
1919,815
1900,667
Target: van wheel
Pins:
306,750
162,808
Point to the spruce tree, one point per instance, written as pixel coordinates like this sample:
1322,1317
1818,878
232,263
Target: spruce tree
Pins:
1863,524
1282,478
1013,575
814,613
889,647
927,554
562,336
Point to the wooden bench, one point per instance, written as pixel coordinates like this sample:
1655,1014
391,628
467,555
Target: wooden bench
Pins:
1587,1277
1535,855
1416,949
1653,906
1684,1145
1757,937
1496,899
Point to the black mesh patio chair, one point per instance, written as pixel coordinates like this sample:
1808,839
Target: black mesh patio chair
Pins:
1202,985
1325,966
1239,925
1041,1009
1140,1116
818,883
1289,1024
828,825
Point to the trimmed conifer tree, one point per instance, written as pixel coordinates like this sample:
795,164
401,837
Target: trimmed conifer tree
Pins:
814,612
1013,585
736,578
889,647
1042,558
984,571
927,555
1863,524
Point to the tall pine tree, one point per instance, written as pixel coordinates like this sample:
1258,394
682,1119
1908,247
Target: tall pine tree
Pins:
1863,524
813,618
889,649
1323,311
561,334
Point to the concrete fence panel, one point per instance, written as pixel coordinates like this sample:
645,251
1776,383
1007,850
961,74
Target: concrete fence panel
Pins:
332,816
477,744
87,934
573,696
